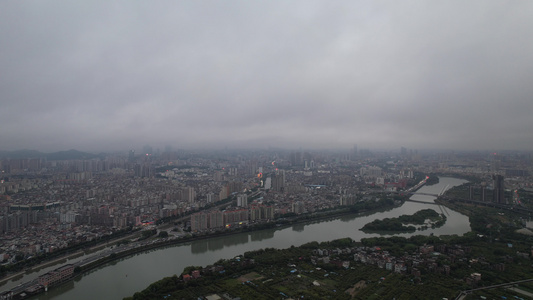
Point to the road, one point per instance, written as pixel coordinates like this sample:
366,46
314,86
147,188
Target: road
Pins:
104,253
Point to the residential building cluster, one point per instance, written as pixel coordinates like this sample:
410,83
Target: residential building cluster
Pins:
48,204
426,259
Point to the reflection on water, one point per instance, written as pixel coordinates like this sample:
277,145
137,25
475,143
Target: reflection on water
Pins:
67,286
257,236
348,218
199,246
218,243
299,227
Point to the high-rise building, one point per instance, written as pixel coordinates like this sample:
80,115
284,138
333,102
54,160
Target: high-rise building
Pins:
374,171
498,189
199,221
348,200
233,171
242,200
267,212
224,192
235,216
251,167
210,197
188,194
261,212
144,170
298,207
131,156
353,156
295,158
147,149
278,181
218,176
34,164
216,219
235,186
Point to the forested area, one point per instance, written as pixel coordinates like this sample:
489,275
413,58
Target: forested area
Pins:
423,267
404,223
299,272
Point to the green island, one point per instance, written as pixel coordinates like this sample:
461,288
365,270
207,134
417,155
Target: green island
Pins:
426,217
481,264
432,179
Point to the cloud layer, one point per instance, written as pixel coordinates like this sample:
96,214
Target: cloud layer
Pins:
108,76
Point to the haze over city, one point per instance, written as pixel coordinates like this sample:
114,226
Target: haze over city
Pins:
99,76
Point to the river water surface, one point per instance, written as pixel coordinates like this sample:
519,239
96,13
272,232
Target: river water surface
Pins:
125,277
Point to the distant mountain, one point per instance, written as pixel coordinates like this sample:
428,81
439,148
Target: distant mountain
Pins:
25,153
61,155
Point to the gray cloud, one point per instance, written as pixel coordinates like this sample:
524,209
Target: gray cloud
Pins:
107,76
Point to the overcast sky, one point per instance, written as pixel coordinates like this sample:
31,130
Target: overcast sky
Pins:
100,75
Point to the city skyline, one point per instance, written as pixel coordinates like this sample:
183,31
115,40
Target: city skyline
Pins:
313,75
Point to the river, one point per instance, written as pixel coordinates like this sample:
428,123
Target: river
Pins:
125,277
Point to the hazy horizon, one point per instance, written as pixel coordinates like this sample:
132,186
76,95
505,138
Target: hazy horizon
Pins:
99,76
139,151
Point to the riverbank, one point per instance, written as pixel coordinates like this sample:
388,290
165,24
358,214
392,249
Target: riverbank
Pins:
125,251
325,270
279,225
40,266
64,258
140,270
35,264
483,257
